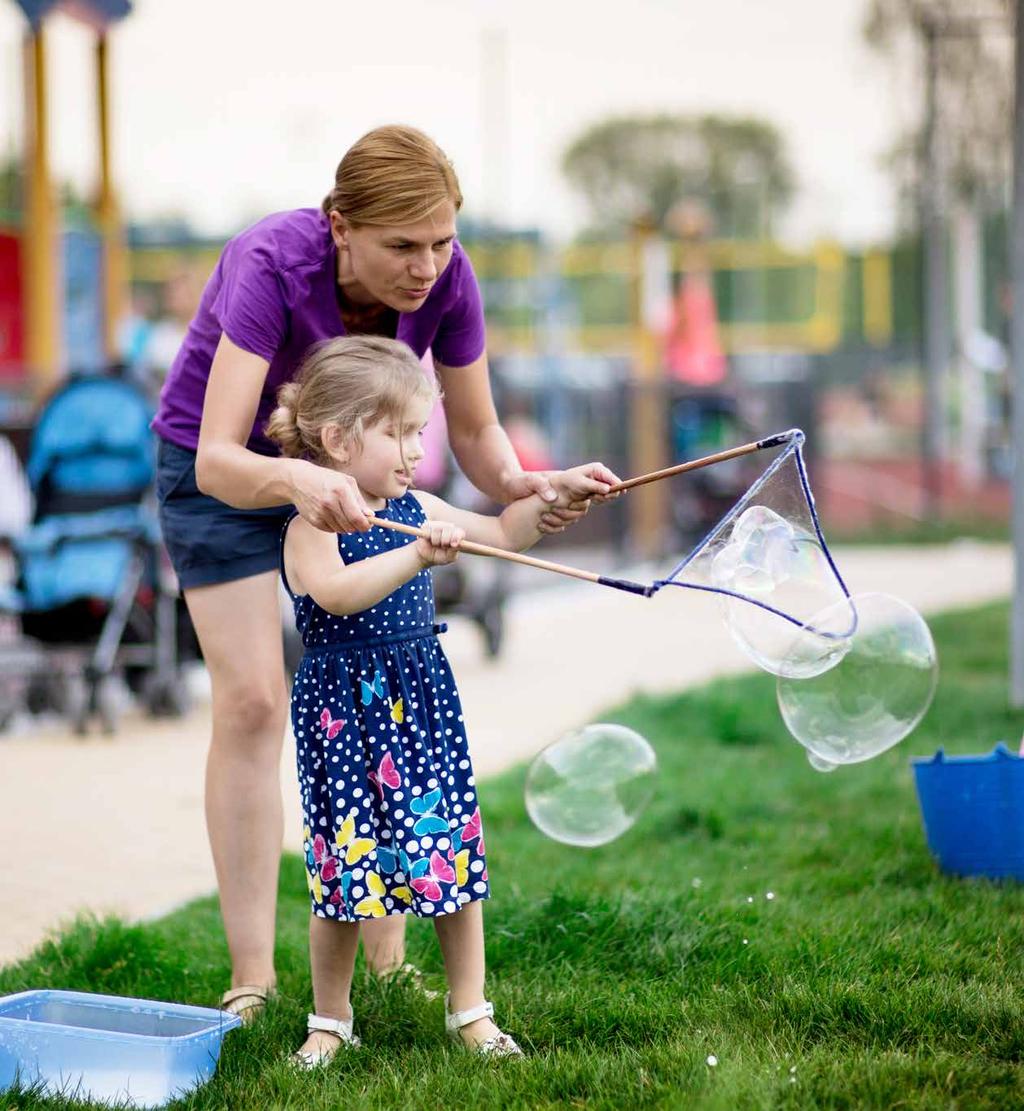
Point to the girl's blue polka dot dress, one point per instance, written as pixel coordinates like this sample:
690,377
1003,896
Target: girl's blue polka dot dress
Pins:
391,815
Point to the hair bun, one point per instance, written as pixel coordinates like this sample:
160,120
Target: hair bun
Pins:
282,427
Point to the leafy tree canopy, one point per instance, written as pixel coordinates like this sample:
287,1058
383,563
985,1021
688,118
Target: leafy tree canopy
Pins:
974,88
638,167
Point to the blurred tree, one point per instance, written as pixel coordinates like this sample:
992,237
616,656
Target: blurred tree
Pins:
632,167
11,189
972,43
74,206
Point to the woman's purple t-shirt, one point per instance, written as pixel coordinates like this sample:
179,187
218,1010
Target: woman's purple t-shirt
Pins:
273,293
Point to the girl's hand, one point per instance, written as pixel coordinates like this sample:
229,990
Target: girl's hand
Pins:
328,499
575,489
442,544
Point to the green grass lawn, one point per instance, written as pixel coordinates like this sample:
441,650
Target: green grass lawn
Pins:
945,531
868,980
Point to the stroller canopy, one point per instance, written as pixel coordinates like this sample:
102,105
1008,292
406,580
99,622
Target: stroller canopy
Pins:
91,447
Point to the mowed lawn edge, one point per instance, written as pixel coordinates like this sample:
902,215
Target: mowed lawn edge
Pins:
789,925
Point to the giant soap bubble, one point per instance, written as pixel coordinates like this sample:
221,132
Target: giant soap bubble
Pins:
875,695
819,764
590,786
781,565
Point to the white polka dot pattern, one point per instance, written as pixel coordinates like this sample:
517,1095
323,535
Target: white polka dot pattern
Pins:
388,793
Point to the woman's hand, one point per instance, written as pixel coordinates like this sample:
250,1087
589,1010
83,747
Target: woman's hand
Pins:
571,491
442,545
328,499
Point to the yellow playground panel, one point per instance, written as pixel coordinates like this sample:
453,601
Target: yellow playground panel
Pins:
808,317
794,300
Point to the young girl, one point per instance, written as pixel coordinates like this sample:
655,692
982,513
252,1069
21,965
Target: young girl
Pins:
392,821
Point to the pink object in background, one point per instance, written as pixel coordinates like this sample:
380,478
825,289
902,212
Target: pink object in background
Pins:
431,473
526,436
529,443
693,352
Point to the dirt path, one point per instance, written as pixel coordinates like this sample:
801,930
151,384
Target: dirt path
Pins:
116,825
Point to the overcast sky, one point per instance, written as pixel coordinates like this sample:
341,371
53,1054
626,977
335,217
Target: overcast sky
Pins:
225,109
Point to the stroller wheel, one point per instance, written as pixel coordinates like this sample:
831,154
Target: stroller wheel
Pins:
106,703
10,699
165,699
492,621
45,692
74,703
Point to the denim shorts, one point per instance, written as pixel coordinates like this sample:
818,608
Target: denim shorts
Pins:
210,542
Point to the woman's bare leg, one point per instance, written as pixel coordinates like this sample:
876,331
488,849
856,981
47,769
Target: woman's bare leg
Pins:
239,629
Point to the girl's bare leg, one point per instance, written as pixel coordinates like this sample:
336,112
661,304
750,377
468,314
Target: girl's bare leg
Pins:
384,943
239,628
332,957
461,936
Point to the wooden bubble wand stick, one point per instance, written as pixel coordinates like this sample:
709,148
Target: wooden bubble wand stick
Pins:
592,576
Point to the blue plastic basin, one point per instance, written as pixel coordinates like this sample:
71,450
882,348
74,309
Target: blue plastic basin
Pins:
973,812
107,1047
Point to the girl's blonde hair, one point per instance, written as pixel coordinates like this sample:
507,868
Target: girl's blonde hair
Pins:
353,382
392,175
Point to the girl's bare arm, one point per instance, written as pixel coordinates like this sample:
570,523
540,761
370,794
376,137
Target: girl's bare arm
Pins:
314,567
517,527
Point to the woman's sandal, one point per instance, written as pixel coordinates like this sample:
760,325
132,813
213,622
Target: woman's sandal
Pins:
501,1045
339,1028
247,1001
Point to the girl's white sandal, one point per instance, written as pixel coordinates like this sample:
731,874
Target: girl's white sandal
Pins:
501,1045
340,1028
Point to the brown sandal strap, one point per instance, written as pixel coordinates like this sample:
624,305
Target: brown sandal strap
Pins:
229,1001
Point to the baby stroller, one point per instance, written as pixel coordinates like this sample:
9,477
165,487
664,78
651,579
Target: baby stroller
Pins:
93,591
702,421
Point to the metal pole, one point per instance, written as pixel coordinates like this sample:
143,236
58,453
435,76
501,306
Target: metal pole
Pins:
107,213
933,242
39,237
1016,252
648,422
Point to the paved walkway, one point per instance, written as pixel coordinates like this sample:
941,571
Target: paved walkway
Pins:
116,824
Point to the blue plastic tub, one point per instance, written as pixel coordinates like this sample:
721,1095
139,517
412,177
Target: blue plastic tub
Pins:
106,1047
973,812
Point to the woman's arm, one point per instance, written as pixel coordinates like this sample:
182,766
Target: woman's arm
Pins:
480,444
488,459
226,469
313,566
518,526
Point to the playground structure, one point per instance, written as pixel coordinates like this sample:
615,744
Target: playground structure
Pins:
563,320
62,295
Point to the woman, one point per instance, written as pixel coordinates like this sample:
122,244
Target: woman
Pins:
380,257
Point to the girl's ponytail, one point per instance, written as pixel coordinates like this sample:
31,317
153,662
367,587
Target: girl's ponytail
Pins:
283,425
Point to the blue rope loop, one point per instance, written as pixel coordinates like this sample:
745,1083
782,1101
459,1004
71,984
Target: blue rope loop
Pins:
792,441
